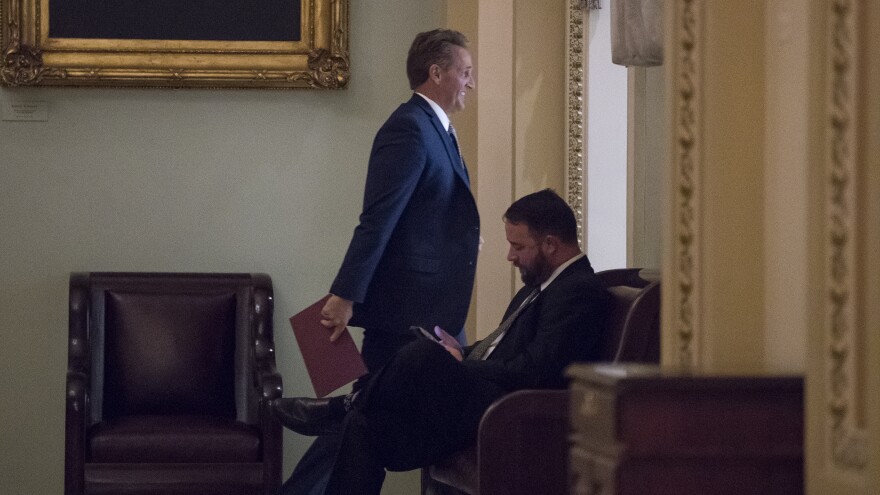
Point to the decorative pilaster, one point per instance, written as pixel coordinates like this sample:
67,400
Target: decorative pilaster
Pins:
575,106
683,269
848,449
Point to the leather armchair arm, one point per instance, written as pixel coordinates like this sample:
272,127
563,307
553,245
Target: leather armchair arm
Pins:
77,385
75,431
266,378
77,397
78,323
527,429
269,381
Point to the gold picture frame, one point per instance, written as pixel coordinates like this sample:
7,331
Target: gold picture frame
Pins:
316,56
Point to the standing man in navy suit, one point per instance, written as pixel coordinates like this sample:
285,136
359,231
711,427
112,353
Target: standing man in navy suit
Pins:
412,257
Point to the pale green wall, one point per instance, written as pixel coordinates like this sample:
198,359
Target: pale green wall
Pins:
185,180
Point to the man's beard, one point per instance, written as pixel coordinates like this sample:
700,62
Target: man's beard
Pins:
537,273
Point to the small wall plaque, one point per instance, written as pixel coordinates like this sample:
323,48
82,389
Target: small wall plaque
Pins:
34,111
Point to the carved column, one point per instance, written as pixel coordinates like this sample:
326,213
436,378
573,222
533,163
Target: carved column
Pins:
843,395
681,273
575,108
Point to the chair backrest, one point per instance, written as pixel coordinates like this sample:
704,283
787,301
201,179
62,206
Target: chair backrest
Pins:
632,329
170,343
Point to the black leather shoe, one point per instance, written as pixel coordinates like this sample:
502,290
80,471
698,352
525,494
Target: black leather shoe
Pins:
310,417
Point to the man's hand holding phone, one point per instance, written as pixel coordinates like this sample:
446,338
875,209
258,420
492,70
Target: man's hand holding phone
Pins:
441,337
449,342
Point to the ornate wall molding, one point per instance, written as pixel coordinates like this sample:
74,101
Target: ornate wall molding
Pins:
575,113
848,451
687,67
22,64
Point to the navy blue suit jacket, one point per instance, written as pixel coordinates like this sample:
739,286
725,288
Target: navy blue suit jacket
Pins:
412,258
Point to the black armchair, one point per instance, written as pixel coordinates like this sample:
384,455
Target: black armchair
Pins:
168,384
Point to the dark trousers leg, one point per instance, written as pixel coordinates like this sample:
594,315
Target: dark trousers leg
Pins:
423,406
357,470
378,348
313,470
311,473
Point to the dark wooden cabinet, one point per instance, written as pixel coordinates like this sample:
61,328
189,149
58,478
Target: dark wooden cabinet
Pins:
642,430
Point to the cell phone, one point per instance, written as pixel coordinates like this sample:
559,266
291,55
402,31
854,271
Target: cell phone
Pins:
421,332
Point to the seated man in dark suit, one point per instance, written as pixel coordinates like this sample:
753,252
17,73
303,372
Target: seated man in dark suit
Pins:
427,402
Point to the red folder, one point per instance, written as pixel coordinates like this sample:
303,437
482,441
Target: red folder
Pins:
330,364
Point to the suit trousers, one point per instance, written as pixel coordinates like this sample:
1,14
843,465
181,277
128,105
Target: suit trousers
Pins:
420,408
312,472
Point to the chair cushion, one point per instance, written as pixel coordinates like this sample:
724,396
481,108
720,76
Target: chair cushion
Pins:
173,439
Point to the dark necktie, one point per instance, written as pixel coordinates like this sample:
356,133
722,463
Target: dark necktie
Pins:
454,137
480,349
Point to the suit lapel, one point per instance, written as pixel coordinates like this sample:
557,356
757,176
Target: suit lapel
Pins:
515,326
514,329
451,152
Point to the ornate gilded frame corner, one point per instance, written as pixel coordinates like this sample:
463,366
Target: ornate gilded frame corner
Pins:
32,57
575,136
